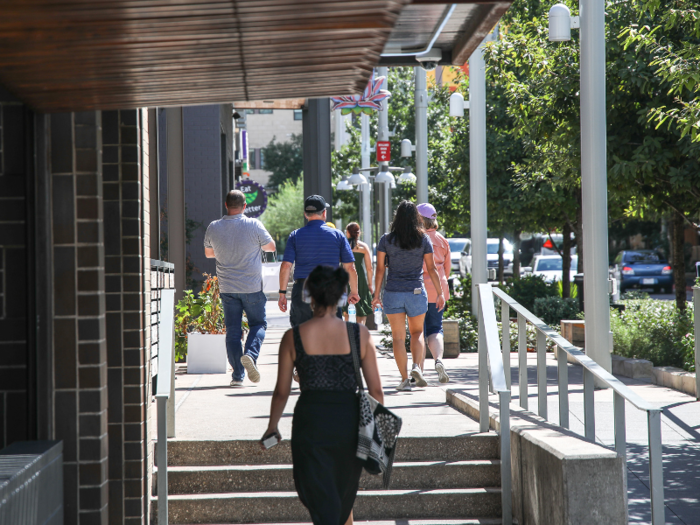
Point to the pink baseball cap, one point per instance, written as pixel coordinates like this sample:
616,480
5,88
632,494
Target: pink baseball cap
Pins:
427,210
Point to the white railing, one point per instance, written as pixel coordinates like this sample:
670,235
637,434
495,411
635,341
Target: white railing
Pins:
165,371
591,372
491,370
696,309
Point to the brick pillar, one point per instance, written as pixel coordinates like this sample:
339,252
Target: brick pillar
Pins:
14,347
126,335
80,371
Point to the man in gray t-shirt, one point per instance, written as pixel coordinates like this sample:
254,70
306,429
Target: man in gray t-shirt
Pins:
236,242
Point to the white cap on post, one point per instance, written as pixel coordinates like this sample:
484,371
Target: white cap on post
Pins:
406,148
559,23
456,105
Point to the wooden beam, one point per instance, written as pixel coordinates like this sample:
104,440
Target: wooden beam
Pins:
292,103
476,29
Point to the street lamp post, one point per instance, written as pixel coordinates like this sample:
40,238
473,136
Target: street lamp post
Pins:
421,101
365,188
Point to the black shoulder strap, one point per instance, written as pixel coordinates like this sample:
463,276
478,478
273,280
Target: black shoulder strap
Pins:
354,337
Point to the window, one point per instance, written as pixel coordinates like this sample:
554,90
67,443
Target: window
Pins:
261,164
252,158
297,114
249,111
265,111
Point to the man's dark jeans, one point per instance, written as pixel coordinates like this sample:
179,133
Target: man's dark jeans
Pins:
253,304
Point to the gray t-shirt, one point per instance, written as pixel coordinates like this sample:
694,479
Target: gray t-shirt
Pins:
237,241
405,266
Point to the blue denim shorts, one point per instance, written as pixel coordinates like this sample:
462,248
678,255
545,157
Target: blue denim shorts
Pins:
433,320
405,302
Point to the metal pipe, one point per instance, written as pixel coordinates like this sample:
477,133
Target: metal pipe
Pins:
696,304
446,14
162,461
656,474
541,375
620,430
477,168
421,101
594,182
483,374
505,340
522,361
589,405
506,481
365,188
563,380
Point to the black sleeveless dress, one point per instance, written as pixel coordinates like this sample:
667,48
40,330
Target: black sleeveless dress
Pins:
324,435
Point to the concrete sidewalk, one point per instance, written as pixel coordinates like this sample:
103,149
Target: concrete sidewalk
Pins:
208,409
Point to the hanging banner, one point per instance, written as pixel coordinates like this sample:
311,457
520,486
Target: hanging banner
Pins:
367,103
255,198
383,151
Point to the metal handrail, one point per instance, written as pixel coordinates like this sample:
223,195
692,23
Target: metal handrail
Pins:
165,371
591,372
491,368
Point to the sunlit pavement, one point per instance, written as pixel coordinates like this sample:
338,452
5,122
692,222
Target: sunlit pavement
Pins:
207,408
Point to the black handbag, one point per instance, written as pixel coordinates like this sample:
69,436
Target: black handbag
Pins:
379,426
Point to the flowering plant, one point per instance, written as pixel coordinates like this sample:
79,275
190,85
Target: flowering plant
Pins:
203,314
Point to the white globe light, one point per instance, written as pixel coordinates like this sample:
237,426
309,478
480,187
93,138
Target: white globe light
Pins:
343,185
406,148
384,177
456,105
407,176
357,178
559,23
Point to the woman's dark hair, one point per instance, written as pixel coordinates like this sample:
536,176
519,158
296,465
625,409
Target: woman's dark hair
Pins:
327,285
354,230
407,227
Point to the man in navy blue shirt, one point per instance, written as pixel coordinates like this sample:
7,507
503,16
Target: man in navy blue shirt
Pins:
308,247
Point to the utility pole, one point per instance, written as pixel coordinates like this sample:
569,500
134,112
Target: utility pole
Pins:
594,183
366,187
477,170
383,133
421,102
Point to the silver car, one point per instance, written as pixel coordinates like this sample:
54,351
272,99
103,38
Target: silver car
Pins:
465,260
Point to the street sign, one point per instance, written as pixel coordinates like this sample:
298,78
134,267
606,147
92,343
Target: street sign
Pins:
383,151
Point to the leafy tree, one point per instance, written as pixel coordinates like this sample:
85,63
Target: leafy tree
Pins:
284,160
284,211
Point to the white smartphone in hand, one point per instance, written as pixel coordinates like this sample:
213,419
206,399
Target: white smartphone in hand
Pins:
270,441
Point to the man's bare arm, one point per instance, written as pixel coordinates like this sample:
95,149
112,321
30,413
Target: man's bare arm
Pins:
209,253
269,247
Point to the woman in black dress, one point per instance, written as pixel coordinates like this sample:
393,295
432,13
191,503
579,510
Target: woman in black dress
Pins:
326,417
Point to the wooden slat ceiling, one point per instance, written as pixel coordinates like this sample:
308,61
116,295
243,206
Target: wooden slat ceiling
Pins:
60,55
69,55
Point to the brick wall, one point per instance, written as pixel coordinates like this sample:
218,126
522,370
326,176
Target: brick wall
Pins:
80,371
13,276
125,259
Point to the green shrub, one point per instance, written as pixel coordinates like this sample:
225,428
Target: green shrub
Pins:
528,288
460,304
654,330
553,309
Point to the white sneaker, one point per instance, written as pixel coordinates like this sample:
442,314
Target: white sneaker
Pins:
249,365
236,383
404,386
440,369
417,374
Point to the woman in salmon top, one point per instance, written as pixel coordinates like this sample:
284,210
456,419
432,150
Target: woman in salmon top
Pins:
433,318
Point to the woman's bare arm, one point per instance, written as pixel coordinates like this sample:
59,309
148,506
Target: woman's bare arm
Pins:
378,278
368,265
432,272
284,383
370,367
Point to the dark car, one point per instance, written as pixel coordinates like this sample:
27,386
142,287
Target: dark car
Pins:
643,269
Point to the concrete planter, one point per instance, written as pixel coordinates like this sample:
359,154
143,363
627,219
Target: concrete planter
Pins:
668,376
450,328
206,353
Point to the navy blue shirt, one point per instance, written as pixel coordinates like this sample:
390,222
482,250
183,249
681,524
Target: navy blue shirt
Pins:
405,266
316,244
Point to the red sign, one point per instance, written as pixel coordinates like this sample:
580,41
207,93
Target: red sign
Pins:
383,151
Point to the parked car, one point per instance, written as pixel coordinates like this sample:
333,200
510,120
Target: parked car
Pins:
465,260
457,246
549,267
643,269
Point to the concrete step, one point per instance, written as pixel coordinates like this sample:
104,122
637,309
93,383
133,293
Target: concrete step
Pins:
247,452
273,507
259,478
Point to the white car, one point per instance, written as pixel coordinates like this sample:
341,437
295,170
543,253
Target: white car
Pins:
457,245
549,267
465,261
